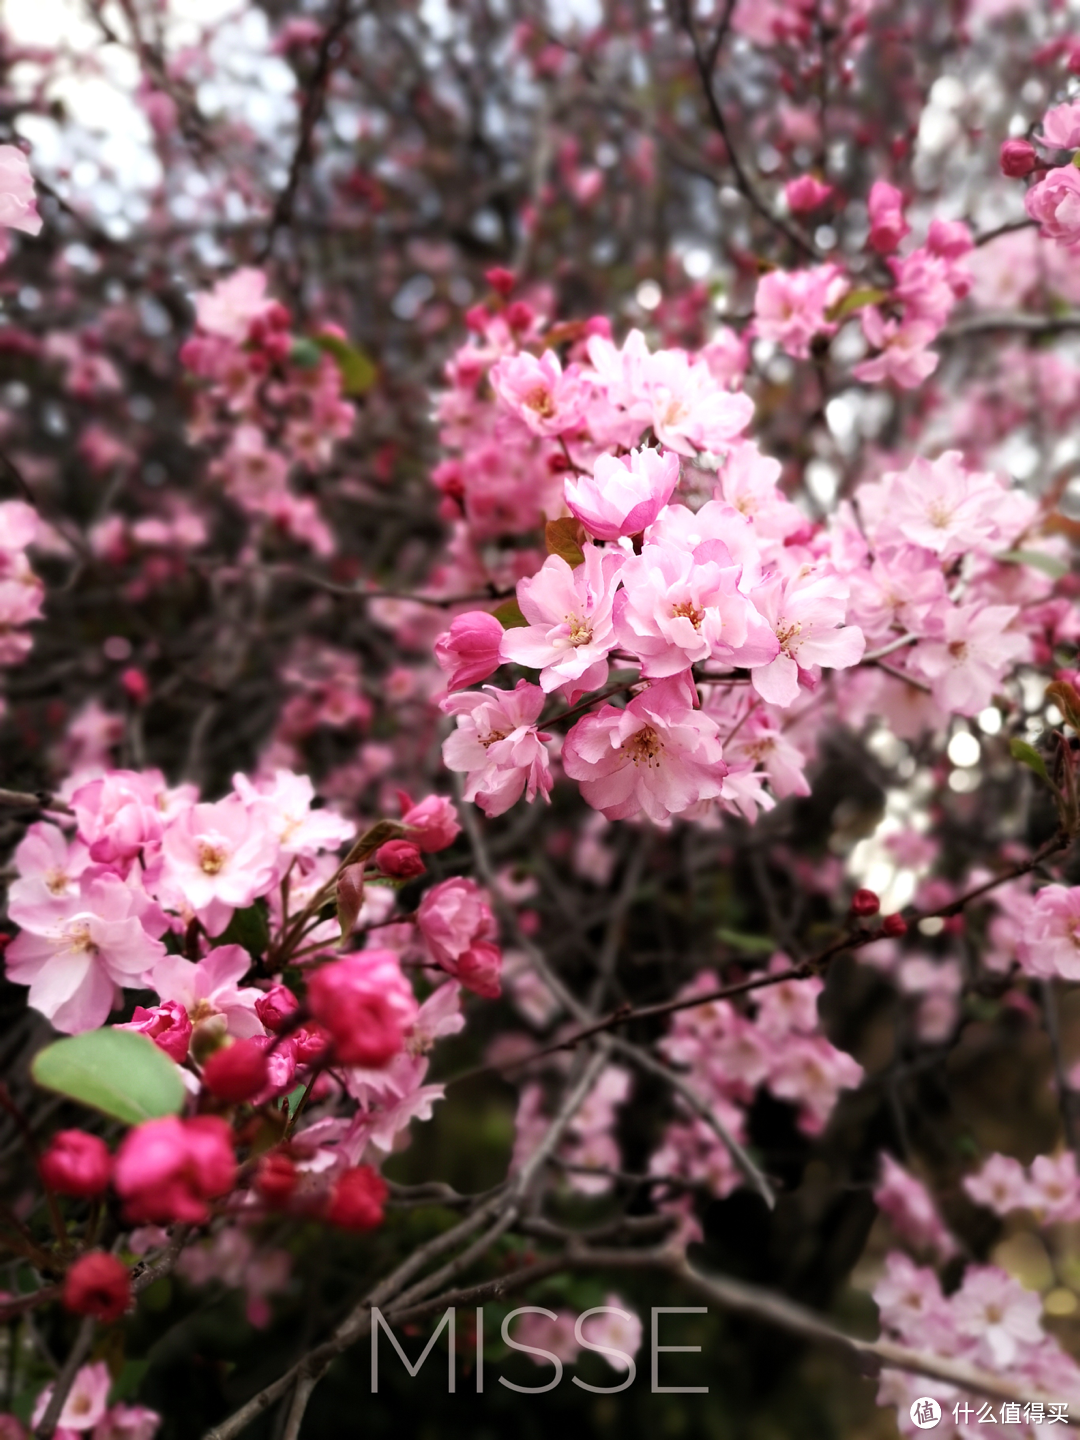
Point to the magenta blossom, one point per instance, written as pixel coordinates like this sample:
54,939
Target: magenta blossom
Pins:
168,1169
624,494
887,224
168,1025
498,745
432,823
806,193
792,307
659,756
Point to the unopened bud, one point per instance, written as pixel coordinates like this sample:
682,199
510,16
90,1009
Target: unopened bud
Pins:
865,902
236,1073
1017,159
895,926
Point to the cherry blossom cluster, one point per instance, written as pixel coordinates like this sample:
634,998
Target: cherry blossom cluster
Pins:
87,1414
274,399
991,1321
21,592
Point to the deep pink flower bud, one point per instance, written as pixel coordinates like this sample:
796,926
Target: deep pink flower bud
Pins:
99,1285
469,650
401,859
364,1018
168,1025
276,1178
432,822
275,1007
895,926
887,224
1018,159
237,1072
501,281
805,194
357,1200
168,1169
865,902
136,685
76,1164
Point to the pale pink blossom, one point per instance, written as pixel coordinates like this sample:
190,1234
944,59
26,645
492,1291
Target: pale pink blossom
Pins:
1048,943
548,399
690,411
1061,126
678,607
219,857
210,991
76,964
284,805
1001,1185
1055,1187
459,931
234,302
911,1209
658,756
806,613
18,203
87,1399
498,746
998,1312
969,655
612,1327
625,493
49,867
939,505
128,1422
570,630
904,357
1054,203
791,307
909,1299
120,814
810,1073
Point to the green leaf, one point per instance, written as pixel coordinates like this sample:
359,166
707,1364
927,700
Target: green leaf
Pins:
1048,564
305,354
1029,756
119,1072
856,300
249,928
358,372
753,944
562,539
509,615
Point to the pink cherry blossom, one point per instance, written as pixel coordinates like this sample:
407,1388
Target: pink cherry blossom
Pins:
806,193
209,991
498,745
997,1312
469,650
283,805
76,962
234,302
1054,203
887,224
658,756
972,649
1001,1185
169,1169
791,307
690,411
805,613
1061,126
548,399
18,203
432,823
219,857
678,608
904,357
86,1400
624,493
459,931
120,814
570,630
1049,940
910,1208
